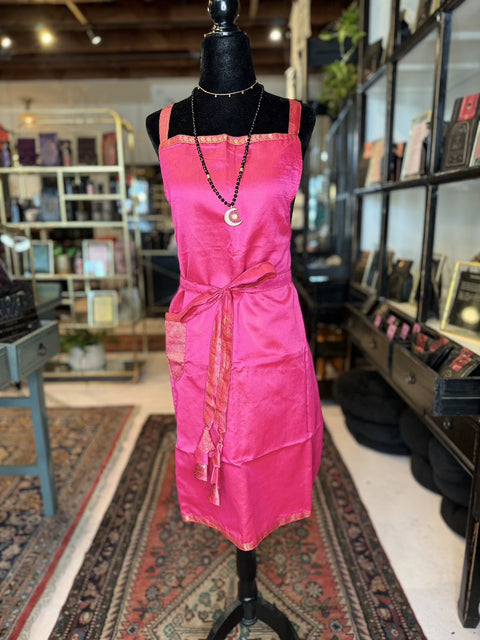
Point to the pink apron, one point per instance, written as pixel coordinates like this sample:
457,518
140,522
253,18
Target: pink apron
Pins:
249,423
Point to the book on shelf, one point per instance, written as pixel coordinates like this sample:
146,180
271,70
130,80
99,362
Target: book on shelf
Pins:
396,160
49,150
416,150
374,171
26,151
109,148
363,163
460,132
87,150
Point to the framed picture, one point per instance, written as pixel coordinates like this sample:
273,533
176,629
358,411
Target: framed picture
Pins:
462,310
438,261
42,252
360,266
98,258
103,308
370,273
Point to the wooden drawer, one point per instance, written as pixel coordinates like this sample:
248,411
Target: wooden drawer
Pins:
458,434
4,368
429,392
413,379
33,350
372,342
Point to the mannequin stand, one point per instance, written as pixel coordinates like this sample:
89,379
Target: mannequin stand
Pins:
250,607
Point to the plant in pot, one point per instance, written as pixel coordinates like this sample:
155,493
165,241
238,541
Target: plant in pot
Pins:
63,259
339,79
86,349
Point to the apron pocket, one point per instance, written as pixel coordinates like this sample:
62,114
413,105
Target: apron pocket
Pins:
176,344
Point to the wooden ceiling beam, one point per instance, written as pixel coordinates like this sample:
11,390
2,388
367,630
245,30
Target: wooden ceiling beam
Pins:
100,14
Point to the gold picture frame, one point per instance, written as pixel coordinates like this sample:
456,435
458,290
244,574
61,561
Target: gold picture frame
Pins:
462,309
103,308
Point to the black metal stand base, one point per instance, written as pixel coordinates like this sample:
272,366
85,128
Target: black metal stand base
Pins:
250,607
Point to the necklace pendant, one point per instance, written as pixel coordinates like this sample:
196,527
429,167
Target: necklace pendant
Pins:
232,217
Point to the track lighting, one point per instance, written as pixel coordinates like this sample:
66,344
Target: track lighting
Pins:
94,39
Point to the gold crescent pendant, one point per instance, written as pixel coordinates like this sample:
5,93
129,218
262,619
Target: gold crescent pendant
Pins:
232,217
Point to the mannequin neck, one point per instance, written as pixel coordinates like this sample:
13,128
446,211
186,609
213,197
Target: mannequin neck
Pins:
226,63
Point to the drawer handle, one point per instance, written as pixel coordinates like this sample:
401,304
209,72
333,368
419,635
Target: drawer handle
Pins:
373,344
447,423
410,378
42,349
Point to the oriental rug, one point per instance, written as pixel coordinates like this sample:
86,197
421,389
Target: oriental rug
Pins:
149,576
83,441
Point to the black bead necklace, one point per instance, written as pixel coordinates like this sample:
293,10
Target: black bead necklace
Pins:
232,217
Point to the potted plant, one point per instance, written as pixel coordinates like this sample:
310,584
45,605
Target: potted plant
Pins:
339,78
86,349
63,259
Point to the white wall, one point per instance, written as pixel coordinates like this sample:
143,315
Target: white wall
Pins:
132,99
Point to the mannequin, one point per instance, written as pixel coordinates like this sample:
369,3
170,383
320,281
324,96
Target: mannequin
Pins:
226,66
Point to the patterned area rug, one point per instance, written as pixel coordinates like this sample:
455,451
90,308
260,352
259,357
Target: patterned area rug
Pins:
31,545
150,576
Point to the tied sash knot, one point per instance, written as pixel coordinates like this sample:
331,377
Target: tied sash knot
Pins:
210,446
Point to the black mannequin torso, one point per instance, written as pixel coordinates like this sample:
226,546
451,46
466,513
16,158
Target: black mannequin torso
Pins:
227,66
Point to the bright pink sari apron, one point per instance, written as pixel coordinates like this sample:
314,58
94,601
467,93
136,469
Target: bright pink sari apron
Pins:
249,432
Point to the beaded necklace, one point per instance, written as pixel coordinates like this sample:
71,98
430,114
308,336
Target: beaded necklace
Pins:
229,94
231,216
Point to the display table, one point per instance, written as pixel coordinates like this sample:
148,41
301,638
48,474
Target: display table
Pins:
25,359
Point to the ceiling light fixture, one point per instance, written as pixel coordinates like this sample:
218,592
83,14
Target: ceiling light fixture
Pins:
275,34
46,37
94,39
6,42
27,117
